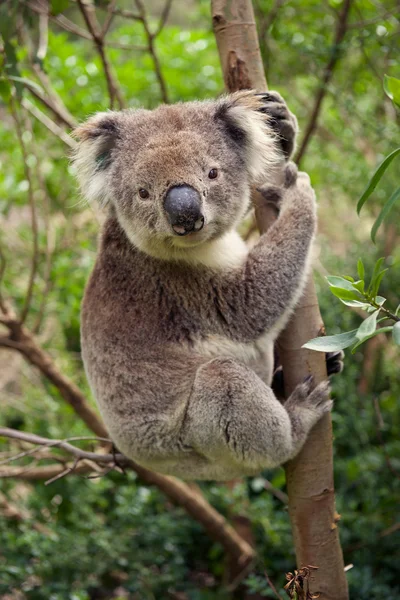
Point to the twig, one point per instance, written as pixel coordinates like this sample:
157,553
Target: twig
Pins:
271,585
49,123
88,12
335,53
109,18
43,33
152,50
163,18
31,438
275,492
34,223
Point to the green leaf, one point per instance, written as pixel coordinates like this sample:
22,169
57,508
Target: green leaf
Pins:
377,282
391,85
357,304
360,269
380,300
368,326
359,286
396,312
384,213
377,332
330,343
375,273
344,294
376,177
396,333
349,278
339,282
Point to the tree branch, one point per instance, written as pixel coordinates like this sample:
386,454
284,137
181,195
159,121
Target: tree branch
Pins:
88,12
310,475
151,46
335,53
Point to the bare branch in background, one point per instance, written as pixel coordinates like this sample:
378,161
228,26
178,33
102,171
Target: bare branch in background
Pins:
32,207
151,46
335,54
43,31
163,18
47,122
89,15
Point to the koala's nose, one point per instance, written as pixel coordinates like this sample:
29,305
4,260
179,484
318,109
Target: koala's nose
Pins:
183,207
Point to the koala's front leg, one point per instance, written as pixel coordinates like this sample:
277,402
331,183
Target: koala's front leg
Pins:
260,296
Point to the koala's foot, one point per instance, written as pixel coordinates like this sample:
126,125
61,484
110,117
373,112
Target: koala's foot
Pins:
281,120
334,365
305,406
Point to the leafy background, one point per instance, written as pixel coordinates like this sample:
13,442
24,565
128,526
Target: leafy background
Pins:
112,537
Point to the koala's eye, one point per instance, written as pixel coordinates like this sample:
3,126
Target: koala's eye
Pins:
213,174
143,193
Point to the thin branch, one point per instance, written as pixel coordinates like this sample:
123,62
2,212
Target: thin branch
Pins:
152,50
32,207
31,438
163,18
335,53
43,33
109,18
49,123
88,12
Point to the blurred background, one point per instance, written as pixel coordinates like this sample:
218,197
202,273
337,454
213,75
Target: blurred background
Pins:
112,537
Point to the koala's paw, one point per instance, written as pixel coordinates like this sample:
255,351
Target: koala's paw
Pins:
334,362
315,400
281,120
271,195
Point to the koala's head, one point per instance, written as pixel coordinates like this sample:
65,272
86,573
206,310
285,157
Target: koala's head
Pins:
178,176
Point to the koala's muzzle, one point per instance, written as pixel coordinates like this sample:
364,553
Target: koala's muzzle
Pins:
183,206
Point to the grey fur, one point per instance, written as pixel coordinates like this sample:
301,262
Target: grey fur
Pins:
178,333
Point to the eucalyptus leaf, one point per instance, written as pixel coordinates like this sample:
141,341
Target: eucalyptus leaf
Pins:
360,269
339,282
376,332
391,85
330,343
384,213
376,177
396,333
368,326
344,294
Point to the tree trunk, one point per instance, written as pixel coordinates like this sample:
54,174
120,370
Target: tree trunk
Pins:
310,474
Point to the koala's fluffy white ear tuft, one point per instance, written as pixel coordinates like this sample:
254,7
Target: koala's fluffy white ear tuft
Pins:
97,138
247,124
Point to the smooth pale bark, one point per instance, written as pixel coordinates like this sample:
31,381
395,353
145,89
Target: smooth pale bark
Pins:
310,475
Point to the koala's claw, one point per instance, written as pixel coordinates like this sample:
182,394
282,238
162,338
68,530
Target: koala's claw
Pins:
271,194
291,174
281,120
317,399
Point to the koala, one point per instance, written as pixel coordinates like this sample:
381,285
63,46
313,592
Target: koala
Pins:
179,316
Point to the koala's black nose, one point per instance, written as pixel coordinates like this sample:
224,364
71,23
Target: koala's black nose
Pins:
183,207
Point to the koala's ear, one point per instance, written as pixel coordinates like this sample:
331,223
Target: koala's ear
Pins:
243,117
97,138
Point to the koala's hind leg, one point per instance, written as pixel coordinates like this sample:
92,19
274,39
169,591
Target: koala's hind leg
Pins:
234,419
